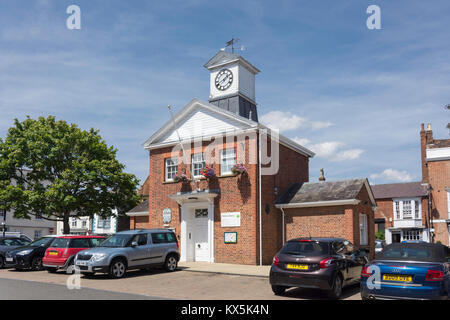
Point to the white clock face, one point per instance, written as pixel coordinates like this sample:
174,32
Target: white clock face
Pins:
224,79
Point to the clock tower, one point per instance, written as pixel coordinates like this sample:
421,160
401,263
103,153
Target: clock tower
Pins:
232,84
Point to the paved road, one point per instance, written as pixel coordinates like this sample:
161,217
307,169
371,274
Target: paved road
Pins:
157,284
13,289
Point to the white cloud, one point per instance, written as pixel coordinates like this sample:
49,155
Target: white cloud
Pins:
393,175
350,154
285,121
330,150
282,121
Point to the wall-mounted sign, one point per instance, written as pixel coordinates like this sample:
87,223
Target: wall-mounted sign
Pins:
230,237
167,215
230,219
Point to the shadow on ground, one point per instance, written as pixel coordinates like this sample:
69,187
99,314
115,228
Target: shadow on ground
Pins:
313,294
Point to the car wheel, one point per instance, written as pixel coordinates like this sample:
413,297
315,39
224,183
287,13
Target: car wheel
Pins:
171,263
336,290
278,290
117,269
2,262
36,264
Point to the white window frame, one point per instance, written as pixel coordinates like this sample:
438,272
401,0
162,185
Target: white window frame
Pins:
37,234
196,160
227,160
412,234
399,213
363,230
167,166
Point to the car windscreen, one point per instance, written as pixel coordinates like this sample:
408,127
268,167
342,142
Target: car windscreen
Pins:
60,243
41,242
413,252
117,240
309,248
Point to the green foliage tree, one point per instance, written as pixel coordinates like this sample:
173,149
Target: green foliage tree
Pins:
56,170
379,235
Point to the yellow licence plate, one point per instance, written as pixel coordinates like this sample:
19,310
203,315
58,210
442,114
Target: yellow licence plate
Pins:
297,266
393,277
53,253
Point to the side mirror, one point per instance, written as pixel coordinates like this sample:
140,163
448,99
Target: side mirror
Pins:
134,244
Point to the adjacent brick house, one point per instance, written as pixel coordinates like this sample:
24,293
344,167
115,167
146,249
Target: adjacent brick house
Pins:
402,208
341,209
435,154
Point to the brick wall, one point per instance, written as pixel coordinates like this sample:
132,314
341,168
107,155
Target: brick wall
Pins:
439,178
293,168
332,221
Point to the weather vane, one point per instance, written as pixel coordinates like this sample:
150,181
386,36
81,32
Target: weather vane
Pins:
232,43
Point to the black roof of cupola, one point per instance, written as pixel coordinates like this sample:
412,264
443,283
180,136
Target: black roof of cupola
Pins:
232,84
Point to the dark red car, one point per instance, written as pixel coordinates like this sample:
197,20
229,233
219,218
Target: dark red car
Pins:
62,252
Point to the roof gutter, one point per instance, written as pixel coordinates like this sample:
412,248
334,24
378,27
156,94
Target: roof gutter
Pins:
318,204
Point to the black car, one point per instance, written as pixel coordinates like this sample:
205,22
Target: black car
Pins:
320,263
8,244
29,256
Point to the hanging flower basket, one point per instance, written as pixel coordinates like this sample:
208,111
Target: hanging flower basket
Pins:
181,178
208,172
239,169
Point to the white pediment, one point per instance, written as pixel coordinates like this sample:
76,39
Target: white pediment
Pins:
198,119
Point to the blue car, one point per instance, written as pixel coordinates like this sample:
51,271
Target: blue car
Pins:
408,271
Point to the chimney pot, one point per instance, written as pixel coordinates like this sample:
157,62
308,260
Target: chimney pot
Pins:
429,127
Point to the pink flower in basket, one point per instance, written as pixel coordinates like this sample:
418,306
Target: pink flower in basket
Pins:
239,169
208,172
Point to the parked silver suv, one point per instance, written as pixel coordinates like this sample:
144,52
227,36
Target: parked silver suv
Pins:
134,249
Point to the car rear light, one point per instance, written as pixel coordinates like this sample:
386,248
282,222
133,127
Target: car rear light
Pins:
178,245
434,275
325,263
276,261
365,272
305,240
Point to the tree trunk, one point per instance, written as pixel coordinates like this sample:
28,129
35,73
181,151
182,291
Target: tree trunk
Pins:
66,223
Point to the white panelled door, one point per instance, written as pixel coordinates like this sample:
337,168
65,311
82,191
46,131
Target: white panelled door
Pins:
201,242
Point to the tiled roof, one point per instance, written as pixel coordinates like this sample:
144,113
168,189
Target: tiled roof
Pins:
142,207
322,191
443,143
399,190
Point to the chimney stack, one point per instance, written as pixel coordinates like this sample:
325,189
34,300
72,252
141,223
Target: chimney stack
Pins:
426,137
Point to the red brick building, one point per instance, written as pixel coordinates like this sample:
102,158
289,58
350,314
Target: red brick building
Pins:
229,217
435,154
216,172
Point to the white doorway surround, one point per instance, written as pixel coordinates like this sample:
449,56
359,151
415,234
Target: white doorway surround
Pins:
197,225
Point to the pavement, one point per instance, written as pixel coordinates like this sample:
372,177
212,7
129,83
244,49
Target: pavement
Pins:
226,268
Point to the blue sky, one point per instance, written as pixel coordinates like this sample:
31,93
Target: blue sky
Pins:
355,96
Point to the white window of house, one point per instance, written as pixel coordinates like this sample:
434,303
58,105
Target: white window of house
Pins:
84,223
104,223
416,209
37,234
74,222
397,209
38,216
198,163
227,161
407,209
171,168
412,234
363,230
448,204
